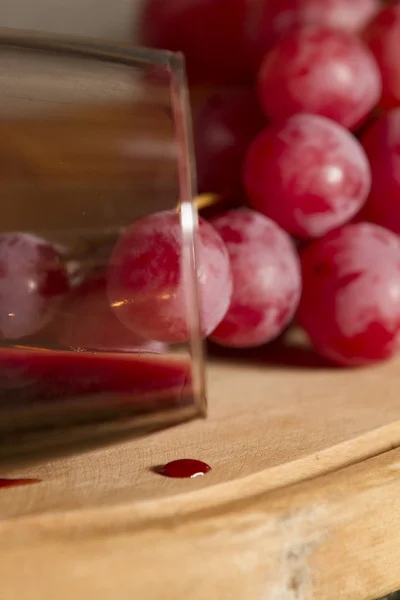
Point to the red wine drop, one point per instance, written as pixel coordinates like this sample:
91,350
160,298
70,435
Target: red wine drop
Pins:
185,468
6,483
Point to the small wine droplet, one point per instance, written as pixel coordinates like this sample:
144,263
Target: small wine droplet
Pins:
185,468
7,483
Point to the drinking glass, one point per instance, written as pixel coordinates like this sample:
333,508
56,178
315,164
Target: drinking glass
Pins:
93,137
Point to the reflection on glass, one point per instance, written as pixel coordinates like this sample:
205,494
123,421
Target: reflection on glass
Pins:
94,143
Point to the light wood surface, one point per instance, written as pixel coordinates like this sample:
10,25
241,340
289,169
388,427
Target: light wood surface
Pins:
331,537
302,502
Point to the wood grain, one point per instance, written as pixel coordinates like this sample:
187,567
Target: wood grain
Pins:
302,502
333,536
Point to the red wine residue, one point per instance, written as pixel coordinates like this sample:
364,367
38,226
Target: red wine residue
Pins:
6,483
185,468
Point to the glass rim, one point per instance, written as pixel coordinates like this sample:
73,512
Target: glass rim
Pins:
105,50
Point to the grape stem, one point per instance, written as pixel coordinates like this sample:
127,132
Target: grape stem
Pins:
203,201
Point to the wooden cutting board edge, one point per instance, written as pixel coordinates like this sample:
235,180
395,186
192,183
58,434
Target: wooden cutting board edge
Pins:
329,536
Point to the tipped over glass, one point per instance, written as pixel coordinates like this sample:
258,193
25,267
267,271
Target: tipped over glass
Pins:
95,150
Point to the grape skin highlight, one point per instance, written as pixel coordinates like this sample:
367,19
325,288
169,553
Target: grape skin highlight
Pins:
147,289
33,283
266,279
350,306
320,71
308,174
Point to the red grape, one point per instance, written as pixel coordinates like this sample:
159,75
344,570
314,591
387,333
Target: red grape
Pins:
273,18
147,289
383,38
266,279
320,71
350,306
382,145
208,32
89,322
308,174
223,130
33,282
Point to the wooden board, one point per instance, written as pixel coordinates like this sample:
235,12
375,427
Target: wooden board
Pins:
302,502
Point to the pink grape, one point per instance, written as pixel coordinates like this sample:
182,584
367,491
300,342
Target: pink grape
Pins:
271,19
147,289
350,306
89,322
308,174
223,130
382,145
319,71
33,282
266,279
383,38
208,32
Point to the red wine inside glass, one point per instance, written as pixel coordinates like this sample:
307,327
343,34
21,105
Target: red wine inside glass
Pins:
81,378
81,163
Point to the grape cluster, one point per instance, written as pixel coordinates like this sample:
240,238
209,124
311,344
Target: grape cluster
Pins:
302,128
300,138
130,296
